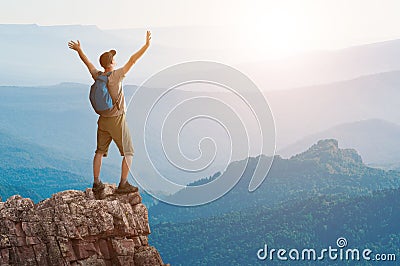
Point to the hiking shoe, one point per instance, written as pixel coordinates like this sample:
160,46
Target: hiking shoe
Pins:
97,187
126,188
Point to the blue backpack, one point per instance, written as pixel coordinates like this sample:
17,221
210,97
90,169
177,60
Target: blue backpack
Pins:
99,96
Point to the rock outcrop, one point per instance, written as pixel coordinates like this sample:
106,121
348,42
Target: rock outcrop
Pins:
326,157
76,228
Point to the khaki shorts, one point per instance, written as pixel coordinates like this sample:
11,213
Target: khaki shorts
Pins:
113,128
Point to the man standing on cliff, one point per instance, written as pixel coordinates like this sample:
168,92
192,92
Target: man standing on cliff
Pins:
111,124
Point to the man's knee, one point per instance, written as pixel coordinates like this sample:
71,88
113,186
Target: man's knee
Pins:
128,157
98,156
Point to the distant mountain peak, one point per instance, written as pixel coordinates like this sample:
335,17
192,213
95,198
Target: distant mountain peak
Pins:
328,155
326,144
330,148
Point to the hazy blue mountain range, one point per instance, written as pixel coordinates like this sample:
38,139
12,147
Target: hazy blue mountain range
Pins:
36,171
298,112
19,153
375,139
55,127
304,111
55,115
58,117
323,169
39,183
61,114
61,118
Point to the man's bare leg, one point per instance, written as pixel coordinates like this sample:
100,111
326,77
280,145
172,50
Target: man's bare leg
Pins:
126,164
97,166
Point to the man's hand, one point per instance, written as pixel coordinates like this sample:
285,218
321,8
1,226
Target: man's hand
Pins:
74,45
148,37
77,47
137,55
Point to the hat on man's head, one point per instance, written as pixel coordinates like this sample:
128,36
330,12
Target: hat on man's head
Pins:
106,58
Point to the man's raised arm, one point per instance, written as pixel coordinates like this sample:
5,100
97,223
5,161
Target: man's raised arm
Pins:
137,55
77,47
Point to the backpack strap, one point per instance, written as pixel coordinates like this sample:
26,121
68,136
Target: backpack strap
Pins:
119,98
120,94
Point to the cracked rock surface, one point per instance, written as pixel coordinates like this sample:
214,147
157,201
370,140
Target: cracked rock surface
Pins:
76,228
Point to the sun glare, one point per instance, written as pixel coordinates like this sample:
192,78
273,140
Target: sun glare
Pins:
274,32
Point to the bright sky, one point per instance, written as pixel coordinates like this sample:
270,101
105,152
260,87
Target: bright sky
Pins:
283,26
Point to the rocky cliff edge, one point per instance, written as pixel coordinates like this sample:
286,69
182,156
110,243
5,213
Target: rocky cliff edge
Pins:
76,228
